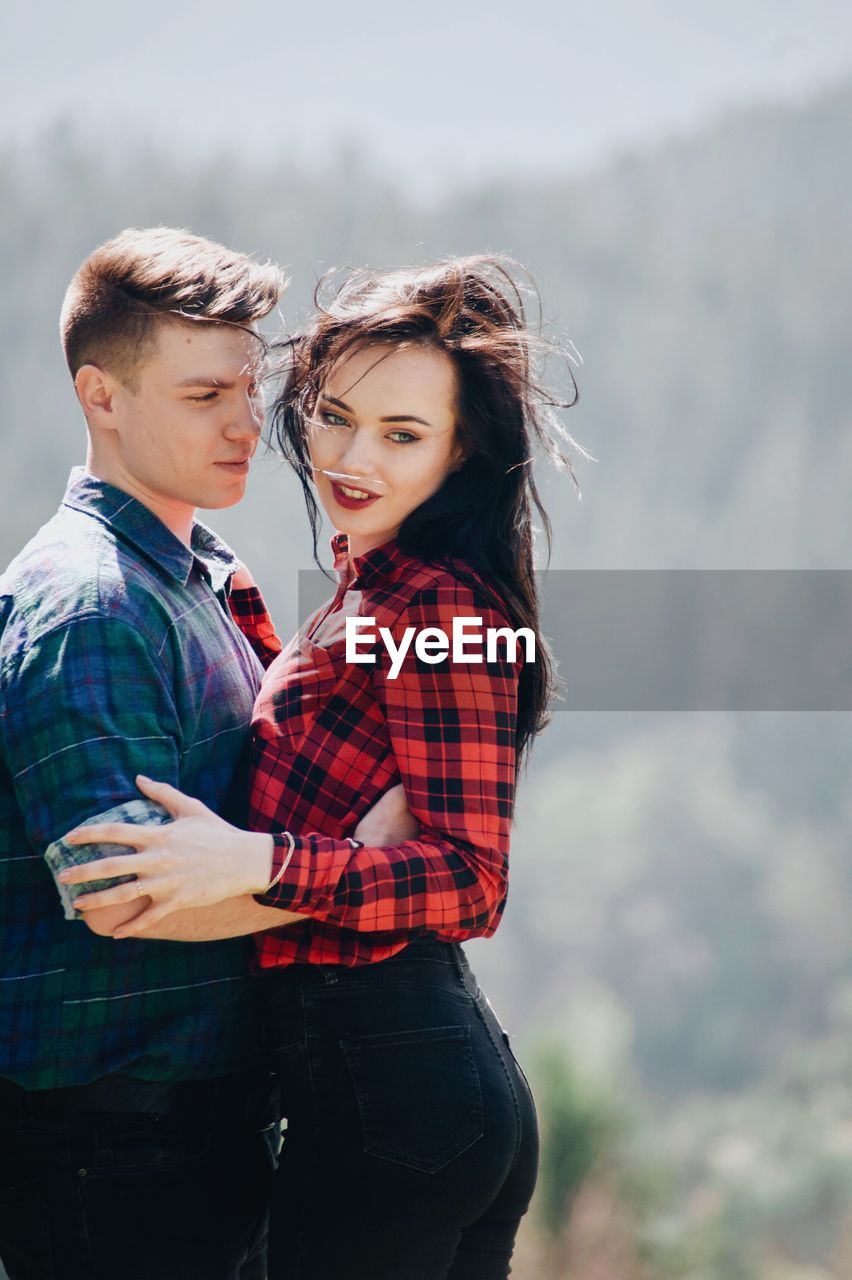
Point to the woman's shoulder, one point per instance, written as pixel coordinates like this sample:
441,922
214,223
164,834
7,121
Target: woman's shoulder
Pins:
439,591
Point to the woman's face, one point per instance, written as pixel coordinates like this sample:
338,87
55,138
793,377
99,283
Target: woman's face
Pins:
385,418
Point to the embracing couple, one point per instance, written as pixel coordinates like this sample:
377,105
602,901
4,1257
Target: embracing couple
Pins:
235,875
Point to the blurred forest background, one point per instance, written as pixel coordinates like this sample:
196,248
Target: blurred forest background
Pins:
676,960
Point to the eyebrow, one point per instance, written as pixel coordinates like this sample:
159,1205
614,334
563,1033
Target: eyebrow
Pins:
396,417
204,380
208,380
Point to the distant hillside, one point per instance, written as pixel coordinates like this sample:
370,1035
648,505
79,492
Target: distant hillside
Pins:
703,282
680,911
705,285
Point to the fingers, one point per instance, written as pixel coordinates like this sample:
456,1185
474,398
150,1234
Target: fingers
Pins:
104,869
145,920
129,892
162,895
178,804
112,833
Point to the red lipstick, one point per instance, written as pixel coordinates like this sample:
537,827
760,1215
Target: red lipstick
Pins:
350,503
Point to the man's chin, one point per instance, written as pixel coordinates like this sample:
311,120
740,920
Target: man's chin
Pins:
221,501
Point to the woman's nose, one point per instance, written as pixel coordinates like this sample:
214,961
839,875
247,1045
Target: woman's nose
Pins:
358,455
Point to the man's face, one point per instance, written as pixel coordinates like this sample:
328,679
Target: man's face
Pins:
185,436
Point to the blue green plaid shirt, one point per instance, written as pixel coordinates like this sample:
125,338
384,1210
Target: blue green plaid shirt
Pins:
118,656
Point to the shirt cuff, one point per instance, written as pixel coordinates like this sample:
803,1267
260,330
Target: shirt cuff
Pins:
297,887
59,855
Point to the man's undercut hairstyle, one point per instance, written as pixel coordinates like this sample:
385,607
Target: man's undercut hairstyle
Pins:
141,279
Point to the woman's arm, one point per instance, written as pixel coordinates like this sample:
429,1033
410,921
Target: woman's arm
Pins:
452,731
202,858
388,822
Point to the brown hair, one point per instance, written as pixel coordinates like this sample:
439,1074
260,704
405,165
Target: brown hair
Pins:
482,517
144,277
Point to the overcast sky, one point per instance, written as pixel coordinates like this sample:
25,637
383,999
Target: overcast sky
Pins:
443,89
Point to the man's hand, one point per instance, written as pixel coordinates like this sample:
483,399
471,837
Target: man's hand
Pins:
389,822
105,920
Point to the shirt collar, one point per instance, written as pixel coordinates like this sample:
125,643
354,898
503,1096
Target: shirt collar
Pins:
135,524
381,562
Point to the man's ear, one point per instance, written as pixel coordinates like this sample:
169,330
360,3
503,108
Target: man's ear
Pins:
95,390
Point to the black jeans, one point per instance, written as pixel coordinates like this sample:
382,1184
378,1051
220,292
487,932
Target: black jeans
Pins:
122,1180
411,1146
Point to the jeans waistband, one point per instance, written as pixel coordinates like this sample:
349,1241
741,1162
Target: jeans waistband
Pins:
429,949
449,954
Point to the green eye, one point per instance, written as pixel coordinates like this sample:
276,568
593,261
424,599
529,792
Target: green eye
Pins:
409,437
333,419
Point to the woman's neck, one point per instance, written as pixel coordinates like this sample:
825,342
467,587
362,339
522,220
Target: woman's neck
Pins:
359,546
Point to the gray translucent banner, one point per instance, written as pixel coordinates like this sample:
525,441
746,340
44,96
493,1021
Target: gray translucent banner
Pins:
690,640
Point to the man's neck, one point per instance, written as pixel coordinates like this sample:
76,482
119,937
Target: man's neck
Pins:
176,516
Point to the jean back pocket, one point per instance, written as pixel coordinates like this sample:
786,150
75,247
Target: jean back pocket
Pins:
419,1094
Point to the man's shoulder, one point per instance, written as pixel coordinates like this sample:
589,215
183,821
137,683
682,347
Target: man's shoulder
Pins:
75,567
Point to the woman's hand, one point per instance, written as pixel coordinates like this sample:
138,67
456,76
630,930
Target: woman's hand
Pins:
195,861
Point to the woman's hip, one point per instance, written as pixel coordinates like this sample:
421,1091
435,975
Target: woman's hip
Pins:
400,1089
412,1041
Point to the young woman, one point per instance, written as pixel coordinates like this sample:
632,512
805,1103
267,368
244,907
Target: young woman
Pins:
409,412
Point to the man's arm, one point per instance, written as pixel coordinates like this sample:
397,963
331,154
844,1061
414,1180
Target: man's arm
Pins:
230,919
88,707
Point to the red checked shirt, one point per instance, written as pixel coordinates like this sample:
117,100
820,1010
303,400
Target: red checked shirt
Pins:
331,736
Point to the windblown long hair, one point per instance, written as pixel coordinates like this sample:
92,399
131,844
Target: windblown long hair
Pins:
481,518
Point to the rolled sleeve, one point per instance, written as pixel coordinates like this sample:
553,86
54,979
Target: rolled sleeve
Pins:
59,854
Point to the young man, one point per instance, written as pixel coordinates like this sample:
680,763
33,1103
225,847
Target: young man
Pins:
136,1126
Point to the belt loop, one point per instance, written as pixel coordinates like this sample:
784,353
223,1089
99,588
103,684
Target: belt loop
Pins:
459,961
463,970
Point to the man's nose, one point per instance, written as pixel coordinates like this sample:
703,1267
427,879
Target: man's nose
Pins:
247,420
